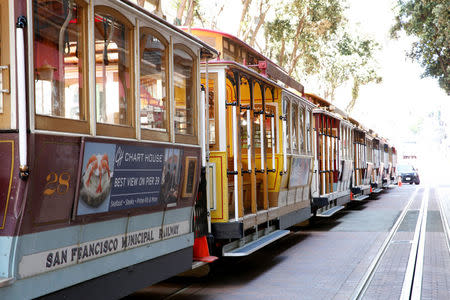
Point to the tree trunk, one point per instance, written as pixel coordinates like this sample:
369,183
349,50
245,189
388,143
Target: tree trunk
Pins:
190,14
260,22
180,12
294,55
355,93
214,21
243,15
281,55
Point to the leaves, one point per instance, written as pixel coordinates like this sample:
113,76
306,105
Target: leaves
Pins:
311,39
429,21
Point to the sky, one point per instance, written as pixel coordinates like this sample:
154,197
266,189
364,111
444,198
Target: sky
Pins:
404,99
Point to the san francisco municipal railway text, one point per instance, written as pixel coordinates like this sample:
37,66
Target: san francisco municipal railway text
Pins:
62,257
79,253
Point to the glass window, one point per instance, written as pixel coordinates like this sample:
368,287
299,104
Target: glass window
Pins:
270,123
308,131
294,126
257,127
58,59
244,125
212,78
153,82
212,115
288,122
184,92
301,141
113,57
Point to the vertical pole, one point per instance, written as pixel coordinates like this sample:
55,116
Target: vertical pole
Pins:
251,155
21,96
272,125
206,134
235,149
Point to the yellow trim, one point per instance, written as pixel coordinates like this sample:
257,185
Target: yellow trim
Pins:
220,214
10,180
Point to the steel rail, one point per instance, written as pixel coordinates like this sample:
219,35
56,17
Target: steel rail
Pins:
444,220
412,283
367,278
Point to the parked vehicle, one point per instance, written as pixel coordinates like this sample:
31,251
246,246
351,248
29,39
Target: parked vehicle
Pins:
408,174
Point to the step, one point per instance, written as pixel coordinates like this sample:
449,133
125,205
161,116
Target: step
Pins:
5,281
376,191
331,211
360,198
251,247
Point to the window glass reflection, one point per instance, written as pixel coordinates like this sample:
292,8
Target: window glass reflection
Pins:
183,92
58,58
153,98
112,69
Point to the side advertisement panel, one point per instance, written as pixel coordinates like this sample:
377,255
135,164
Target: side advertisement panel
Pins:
122,176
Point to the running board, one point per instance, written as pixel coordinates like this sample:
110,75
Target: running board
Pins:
5,281
361,198
251,247
330,212
376,191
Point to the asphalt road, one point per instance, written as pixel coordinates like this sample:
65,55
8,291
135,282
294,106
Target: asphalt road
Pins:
330,259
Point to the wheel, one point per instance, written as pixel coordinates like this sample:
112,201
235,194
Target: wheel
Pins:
417,182
411,182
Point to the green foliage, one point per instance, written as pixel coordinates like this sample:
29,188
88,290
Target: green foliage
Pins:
295,35
429,21
346,58
310,38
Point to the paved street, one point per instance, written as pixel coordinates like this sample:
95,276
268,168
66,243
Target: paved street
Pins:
330,260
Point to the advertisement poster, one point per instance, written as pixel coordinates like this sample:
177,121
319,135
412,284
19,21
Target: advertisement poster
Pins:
120,176
300,171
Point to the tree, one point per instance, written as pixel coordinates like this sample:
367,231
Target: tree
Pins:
244,16
250,24
153,5
192,12
294,37
429,21
347,58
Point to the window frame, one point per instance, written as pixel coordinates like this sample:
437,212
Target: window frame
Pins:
61,124
149,133
213,76
180,137
117,130
294,112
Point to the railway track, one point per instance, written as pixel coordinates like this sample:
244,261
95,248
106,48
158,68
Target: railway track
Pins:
412,282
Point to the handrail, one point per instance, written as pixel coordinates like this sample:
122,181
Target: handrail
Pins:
21,96
235,163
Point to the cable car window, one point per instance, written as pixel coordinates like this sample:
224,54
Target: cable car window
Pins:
212,99
301,132
269,124
184,92
58,59
212,112
257,127
244,124
113,58
288,122
308,131
294,126
153,81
